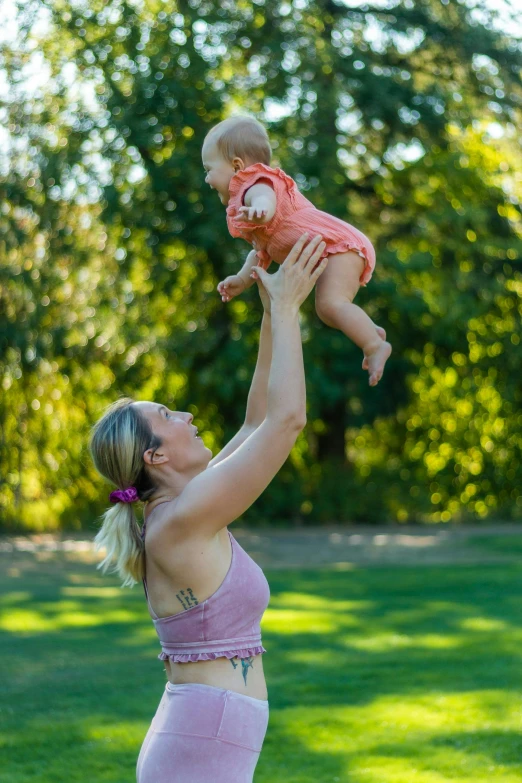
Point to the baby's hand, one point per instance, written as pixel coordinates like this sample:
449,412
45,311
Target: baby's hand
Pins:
230,287
252,214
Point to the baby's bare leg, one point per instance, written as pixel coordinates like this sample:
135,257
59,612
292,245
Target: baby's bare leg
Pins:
334,292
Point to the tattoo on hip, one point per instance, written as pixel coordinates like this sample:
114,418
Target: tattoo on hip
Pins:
246,664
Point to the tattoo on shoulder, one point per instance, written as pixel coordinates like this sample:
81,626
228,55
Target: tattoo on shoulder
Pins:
187,598
246,664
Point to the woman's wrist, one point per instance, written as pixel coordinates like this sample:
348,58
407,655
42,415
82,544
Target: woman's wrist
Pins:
284,310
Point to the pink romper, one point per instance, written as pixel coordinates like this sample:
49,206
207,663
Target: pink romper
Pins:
294,215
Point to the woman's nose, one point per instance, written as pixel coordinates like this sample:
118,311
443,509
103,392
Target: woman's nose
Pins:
191,416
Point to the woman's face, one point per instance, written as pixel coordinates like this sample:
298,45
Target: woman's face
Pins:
181,446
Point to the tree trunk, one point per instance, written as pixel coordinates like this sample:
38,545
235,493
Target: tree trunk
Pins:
330,444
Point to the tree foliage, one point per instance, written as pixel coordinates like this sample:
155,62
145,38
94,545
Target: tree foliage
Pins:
400,118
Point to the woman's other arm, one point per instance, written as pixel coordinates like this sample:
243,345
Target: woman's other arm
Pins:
257,396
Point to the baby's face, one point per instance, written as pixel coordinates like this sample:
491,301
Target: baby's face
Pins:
219,171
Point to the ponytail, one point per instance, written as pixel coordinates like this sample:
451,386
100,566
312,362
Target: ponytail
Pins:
118,442
120,536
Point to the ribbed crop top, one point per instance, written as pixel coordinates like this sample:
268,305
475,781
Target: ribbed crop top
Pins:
225,625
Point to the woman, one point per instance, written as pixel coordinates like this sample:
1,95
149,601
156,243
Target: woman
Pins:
205,594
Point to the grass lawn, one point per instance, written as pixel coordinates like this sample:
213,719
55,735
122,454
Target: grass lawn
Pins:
375,675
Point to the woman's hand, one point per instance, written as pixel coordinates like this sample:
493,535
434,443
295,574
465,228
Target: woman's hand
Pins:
295,278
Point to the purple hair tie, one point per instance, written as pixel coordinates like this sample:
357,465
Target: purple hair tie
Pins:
124,495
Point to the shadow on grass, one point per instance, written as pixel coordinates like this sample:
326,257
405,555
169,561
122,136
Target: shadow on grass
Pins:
510,545
456,629
345,650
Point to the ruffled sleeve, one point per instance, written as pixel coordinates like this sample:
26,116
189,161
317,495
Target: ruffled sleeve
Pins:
283,185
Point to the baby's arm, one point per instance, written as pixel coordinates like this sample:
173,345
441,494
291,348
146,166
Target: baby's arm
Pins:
260,204
233,285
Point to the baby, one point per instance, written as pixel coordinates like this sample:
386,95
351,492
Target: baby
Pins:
265,207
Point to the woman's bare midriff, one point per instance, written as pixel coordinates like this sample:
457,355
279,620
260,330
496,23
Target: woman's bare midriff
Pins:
223,673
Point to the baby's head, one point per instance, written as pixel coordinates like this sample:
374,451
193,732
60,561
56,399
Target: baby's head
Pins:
230,146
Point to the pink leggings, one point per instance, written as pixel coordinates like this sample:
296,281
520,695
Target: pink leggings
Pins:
203,734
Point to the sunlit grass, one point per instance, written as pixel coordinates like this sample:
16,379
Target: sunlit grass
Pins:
381,675
430,739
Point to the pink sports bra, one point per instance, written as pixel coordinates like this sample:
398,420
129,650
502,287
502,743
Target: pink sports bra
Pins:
225,625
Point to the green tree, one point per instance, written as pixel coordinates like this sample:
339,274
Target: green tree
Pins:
383,120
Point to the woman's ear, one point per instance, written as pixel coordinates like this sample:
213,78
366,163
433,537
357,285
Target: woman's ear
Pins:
154,457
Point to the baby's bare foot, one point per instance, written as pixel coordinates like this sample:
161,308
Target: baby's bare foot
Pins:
375,360
381,332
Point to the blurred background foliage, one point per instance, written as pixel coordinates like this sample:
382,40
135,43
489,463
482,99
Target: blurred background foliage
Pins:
401,117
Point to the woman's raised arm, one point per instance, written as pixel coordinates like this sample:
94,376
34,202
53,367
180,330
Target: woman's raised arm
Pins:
218,495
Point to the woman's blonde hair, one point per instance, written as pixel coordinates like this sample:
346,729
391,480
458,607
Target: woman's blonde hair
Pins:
118,442
242,137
